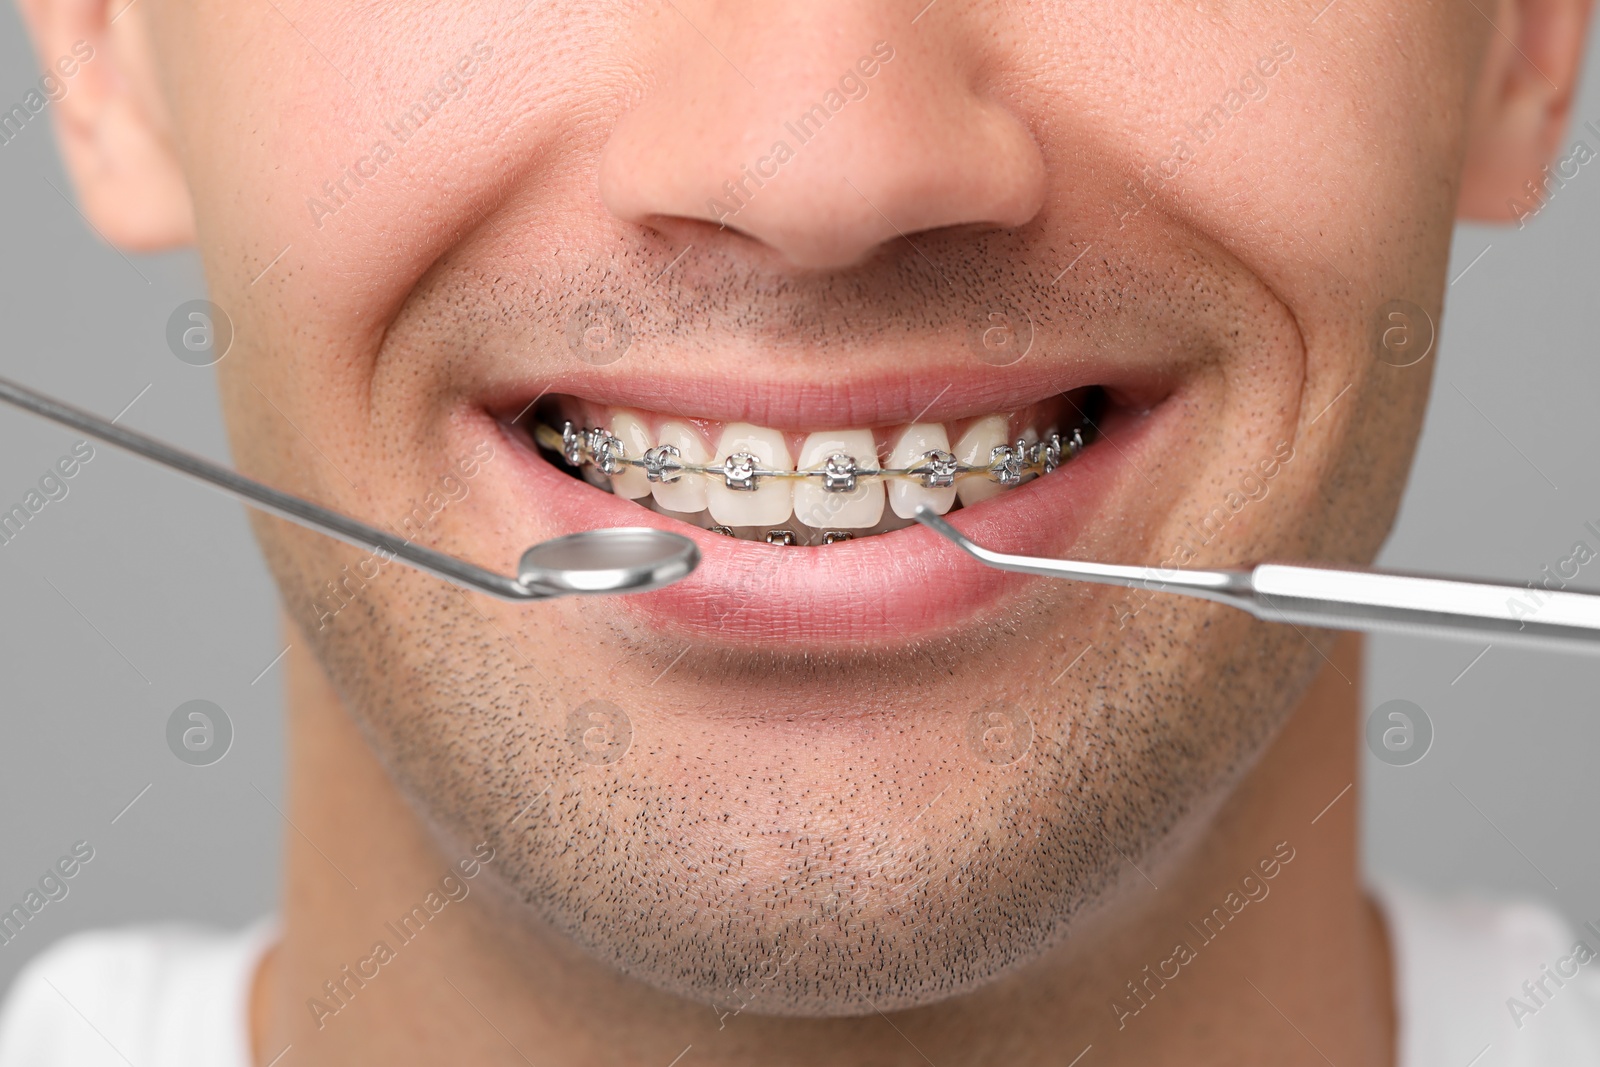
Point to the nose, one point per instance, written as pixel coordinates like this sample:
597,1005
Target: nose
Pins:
822,130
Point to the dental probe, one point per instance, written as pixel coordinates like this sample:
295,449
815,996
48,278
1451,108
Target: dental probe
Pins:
616,560
1340,599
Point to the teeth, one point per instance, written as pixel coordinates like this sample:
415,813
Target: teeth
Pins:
630,482
974,449
906,493
688,493
753,486
855,509
772,500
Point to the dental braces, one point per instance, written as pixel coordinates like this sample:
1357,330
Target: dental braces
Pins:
840,473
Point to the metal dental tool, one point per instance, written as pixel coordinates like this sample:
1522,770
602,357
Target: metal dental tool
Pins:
620,560
1341,599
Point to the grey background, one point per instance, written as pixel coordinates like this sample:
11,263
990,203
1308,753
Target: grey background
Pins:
141,591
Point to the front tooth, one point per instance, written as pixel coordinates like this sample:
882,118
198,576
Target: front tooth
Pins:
630,482
905,493
688,493
974,450
772,501
823,509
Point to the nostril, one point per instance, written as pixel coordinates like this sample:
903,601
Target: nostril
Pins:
681,231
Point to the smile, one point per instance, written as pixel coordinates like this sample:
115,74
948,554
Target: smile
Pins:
800,499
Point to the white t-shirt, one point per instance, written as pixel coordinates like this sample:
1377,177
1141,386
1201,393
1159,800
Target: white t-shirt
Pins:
153,996
175,997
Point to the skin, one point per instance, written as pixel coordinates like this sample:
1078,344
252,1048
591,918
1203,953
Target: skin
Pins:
802,843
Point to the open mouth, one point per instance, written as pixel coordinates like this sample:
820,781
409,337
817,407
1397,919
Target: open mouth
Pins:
813,488
1025,463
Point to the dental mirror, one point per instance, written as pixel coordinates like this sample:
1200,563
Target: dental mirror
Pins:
590,562
624,559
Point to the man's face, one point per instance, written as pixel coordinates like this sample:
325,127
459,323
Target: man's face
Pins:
869,773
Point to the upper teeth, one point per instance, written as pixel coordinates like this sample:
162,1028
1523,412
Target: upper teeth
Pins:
836,482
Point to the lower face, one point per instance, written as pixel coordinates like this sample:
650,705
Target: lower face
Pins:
859,754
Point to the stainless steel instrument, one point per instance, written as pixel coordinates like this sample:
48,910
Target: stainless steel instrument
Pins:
587,563
1341,599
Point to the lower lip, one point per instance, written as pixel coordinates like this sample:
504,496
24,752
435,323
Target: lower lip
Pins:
890,588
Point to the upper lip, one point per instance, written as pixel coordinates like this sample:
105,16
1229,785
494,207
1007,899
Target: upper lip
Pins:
798,397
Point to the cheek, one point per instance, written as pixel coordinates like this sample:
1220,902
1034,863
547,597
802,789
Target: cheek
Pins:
342,155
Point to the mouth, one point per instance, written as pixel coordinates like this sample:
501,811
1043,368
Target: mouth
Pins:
815,488
804,521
